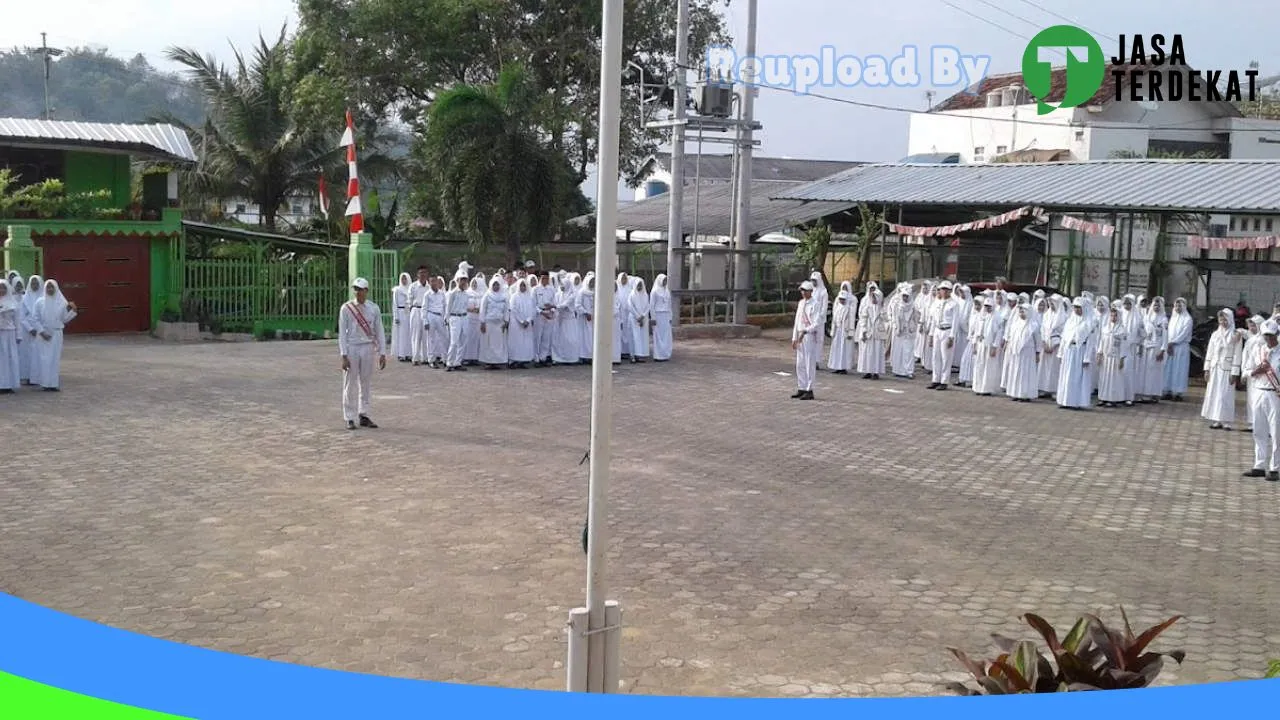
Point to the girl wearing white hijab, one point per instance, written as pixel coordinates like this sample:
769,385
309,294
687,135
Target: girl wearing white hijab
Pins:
660,310
586,308
988,337
566,343
1023,351
873,331
495,318
1221,367
1076,354
1177,368
973,316
1253,344
1155,338
1051,325
52,313
29,329
1135,329
903,323
1113,355
18,289
401,341
622,326
843,327
639,307
10,310
471,341
520,339
619,328
822,299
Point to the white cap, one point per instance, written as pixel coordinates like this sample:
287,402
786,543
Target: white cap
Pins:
806,285
1269,328
360,283
530,263
946,285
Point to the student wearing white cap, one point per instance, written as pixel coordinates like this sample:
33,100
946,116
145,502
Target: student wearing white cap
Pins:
942,340
1260,366
805,340
360,335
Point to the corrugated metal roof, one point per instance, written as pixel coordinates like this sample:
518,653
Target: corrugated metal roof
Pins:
713,205
1226,186
156,141
720,167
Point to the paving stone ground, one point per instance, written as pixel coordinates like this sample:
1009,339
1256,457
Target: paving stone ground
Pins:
208,494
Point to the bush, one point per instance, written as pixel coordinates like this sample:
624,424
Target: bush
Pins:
1090,657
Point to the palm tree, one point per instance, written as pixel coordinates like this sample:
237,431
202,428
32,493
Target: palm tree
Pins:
251,146
495,176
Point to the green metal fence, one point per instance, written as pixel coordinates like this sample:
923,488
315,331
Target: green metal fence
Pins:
266,295
385,275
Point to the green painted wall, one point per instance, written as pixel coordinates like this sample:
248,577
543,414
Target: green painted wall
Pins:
87,172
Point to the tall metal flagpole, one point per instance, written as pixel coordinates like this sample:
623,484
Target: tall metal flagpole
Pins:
675,222
750,70
603,633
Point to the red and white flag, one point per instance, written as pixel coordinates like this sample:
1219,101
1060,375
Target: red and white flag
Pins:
354,210
324,197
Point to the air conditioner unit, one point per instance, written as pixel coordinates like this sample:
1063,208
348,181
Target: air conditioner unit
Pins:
716,100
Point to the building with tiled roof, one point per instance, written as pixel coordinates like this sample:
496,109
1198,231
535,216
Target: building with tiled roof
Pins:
997,119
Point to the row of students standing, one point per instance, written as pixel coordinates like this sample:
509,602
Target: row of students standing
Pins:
1125,352
518,319
33,315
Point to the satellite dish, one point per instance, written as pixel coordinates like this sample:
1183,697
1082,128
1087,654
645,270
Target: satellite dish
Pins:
1149,105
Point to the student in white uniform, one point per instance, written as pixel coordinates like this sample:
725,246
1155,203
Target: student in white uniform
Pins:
1261,367
544,323
520,348
32,291
872,332
417,328
401,339
945,317
638,310
456,302
10,311
471,346
586,308
660,308
360,337
495,316
434,318
844,325
52,313
1221,368
805,340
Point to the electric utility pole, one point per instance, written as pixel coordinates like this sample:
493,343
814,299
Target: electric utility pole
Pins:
742,242
49,54
675,221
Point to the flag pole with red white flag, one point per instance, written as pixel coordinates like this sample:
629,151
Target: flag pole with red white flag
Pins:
354,210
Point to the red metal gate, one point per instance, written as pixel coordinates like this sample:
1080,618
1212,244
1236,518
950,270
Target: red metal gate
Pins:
108,278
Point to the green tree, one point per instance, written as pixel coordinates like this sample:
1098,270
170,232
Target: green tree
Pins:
252,145
497,179
389,55
814,246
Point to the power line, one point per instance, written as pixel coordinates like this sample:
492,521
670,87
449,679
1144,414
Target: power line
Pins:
995,24
1011,14
1060,16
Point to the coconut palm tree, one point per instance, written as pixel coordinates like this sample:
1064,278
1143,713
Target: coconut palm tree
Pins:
495,175
251,145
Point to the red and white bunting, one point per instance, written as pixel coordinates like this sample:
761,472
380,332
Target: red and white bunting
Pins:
1092,228
1261,242
354,210
915,235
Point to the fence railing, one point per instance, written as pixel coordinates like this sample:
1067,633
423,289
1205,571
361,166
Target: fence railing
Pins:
265,295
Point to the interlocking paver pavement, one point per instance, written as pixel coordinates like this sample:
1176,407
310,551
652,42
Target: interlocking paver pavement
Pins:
209,494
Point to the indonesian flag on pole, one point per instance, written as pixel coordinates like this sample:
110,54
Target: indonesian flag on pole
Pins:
354,210
324,197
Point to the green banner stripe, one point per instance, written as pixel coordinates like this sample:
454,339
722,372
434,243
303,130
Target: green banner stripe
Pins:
22,699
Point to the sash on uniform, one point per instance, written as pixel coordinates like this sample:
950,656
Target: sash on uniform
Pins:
360,319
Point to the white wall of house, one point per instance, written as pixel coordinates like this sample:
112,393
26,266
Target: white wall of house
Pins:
1103,140
1184,121
981,134
295,211
1253,139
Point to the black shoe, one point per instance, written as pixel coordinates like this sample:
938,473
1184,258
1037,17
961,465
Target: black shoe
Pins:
808,395
416,363
875,376
797,395
459,368
51,389
942,387
351,424
6,391
366,422
1273,477
932,386
1255,474
449,369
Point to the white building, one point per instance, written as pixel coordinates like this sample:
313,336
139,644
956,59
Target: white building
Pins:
296,210
999,117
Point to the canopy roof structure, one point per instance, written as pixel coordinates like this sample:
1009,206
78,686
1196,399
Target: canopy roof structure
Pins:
155,141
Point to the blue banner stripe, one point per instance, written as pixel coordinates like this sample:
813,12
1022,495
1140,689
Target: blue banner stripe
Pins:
103,662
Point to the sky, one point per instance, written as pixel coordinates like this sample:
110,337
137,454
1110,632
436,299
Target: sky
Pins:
1224,34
